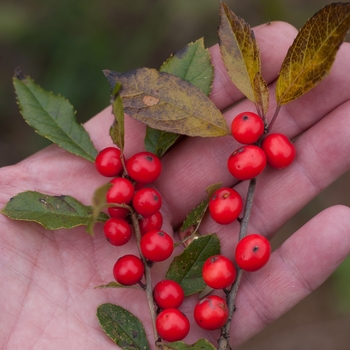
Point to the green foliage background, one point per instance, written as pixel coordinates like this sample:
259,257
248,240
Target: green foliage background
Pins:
64,45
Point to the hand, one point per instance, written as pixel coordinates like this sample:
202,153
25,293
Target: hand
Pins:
48,278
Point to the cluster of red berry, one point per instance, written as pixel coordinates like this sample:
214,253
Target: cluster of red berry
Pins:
250,160
156,245
225,205
129,191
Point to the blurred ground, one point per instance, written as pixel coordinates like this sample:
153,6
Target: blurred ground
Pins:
64,45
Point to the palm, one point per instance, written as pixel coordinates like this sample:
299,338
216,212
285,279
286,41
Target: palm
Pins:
48,278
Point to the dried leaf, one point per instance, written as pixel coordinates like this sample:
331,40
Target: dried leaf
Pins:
186,268
182,107
193,64
117,129
53,117
241,56
52,212
312,53
122,327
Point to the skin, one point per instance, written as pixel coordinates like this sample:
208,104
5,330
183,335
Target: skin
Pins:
48,278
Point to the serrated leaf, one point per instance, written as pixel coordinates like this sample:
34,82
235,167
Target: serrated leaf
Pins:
166,102
241,55
53,117
122,327
193,64
158,141
201,344
52,212
117,285
313,51
117,131
99,203
194,218
186,268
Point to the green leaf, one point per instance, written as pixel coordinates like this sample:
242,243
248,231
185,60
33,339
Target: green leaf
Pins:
52,212
122,327
186,268
241,56
117,285
313,51
53,117
193,64
158,141
194,218
99,203
166,102
117,131
201,344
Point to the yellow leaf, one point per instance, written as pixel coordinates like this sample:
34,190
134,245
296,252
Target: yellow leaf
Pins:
241,56
313,51
168,103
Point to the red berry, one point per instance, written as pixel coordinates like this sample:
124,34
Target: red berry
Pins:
108,162
252,252
128,270
144,167
279,150
218,272
211,312
247,162
172,325
156,245
147,201
168,294
225,205
247,127
149,223
117,231
122,191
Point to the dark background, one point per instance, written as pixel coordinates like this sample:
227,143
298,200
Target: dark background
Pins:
64,45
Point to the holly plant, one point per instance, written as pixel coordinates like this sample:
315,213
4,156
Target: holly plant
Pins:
128,207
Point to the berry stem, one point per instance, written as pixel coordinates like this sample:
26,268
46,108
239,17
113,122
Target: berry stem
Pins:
148,281
223,342
277,110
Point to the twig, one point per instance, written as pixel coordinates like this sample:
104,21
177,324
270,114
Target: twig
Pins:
223,342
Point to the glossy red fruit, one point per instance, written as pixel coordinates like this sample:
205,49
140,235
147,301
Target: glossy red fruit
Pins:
128,270
247,162
225,205
247,127
149,223
219,272
168,294
252,252
279,150
144,167
156,245
122,191
108,162
147,201
172,325
211,312
117,231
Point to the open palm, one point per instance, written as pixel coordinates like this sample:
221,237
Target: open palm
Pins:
48,278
